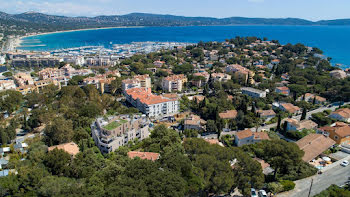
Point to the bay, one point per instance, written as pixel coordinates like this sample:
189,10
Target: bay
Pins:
333,40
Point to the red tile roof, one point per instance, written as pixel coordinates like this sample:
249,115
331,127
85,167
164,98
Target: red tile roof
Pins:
314,145
244,134
175,77
229,114
143,155
145,96
290,107
261,136
343,112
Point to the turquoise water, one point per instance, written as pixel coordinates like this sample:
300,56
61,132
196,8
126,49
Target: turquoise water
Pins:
333,40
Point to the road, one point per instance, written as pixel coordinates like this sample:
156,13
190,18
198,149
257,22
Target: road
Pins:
274,125
337,175
308,115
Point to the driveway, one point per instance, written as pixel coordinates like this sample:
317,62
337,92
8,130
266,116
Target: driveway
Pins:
337,175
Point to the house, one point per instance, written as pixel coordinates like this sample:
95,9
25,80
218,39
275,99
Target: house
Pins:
313,145
339,132
252,92
5,150
283,90
229,114
246,137
144,155
200,79
20,146
109,133
154,106
197,98
342,114
194,122
266,114
308,97
71,148
275,61
290,108
285,77
158,63
265,166
220,77
174,83
296,125
338,74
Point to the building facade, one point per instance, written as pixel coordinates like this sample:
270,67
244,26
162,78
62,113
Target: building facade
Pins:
174,83
154,106
252,92
112,132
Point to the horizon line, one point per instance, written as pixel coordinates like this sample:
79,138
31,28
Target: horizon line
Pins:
72,16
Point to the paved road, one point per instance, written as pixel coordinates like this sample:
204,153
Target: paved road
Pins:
308,115
337,175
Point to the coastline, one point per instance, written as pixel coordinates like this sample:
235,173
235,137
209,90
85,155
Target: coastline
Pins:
18,41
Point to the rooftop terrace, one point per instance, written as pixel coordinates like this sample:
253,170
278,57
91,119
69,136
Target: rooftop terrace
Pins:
115,124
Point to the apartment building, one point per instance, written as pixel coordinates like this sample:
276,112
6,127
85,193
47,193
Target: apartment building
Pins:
102,83
154,106
220,77
174,83
241,72
110,133
7,85
22,79
252,92
36,62
138,81
38,86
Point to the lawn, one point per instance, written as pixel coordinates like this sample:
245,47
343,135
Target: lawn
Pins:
114,124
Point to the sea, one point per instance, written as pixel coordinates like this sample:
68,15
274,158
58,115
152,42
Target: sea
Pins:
333,40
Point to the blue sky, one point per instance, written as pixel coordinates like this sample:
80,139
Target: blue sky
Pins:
307,9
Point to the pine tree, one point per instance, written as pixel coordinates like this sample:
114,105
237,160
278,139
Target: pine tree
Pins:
206,90
303,115
279,123
314,101
253,109
285,125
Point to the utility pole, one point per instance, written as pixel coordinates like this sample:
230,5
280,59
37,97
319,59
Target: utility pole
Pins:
312,181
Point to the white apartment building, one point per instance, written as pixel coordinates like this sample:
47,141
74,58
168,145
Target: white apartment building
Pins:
7,85
115,131
252,92
154,106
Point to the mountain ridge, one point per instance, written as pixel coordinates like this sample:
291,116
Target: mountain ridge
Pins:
164,19
34,22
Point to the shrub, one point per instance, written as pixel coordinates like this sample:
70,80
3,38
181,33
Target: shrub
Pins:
287,185
275,187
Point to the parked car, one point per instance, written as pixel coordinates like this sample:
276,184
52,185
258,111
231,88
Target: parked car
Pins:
344,163
253,192
262,193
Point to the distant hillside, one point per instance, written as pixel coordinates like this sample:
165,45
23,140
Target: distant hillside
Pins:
37,22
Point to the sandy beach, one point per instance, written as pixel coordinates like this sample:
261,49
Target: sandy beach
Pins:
18,41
